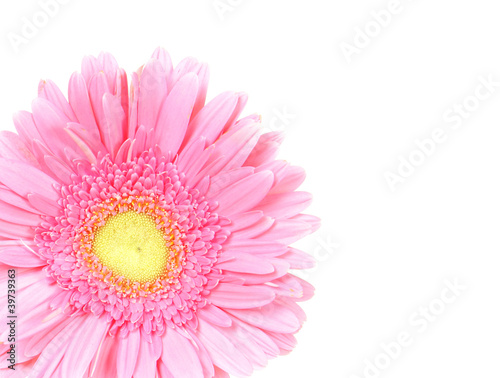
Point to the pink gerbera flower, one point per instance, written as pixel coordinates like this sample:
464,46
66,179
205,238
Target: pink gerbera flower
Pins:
148,232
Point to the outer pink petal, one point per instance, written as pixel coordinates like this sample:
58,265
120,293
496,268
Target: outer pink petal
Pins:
266,149
212,118
104,363
146,361
19,256
227,178
246,263
12,147
215,315
51,122
128,350
16,215
222,351
291,180
165,60
80,102
244,194
174,115
49,91
285,205
31,180
298,259
272,317
12,198
232,149
114,127
240,297
179,356
83,346
26,128
152,93
16,231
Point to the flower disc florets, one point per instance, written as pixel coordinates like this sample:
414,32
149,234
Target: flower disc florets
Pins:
134,213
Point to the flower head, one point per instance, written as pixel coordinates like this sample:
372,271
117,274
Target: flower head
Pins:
149,231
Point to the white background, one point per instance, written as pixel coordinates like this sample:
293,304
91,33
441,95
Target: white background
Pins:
382,253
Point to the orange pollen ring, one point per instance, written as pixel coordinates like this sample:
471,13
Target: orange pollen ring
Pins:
125,233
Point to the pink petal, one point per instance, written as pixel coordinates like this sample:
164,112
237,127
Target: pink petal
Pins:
285,341
83,147
245,343
12,198
240,297
244,194
22,257
246,263
258,248
26,128
98,86
56,348
222,351
285,205
58,168
215,315
164,58
80,102
191,65
104,363
212,118
49,91
313,221
90,66
299,259
128,351
272,317
16,215
110,67
293,177
174,115
242,101
15,231
31,180
286,231
227,178
243,220
179,356
44,206
219,373
146,361
12,147
280,268
266,149
254,230
152,93
83,346
233,147
113,127
50,121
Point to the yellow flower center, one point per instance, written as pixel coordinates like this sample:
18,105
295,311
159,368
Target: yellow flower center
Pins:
130,245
